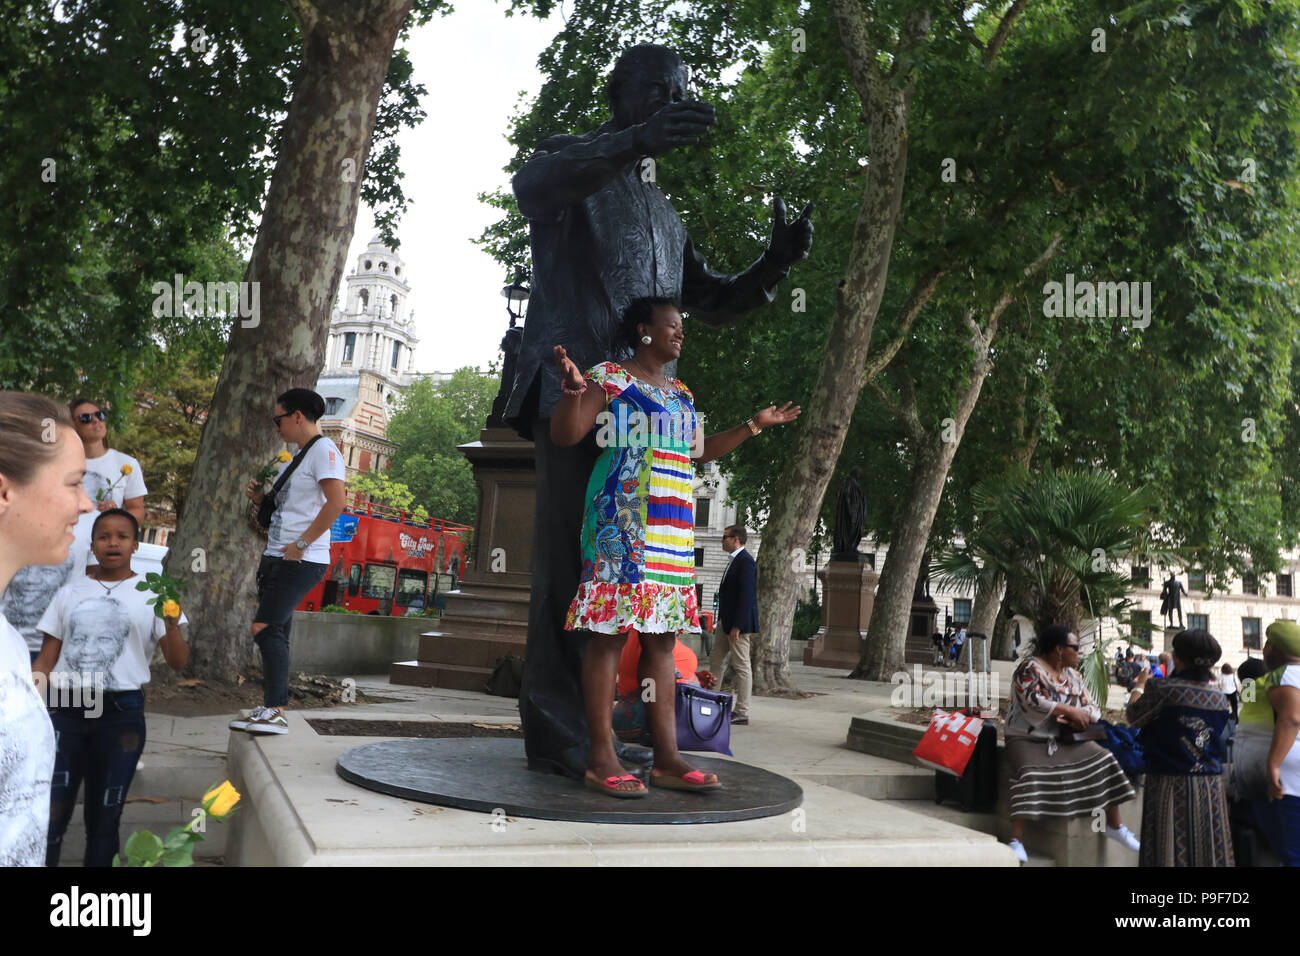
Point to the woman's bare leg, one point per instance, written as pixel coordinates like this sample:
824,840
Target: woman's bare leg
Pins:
599,677
661,716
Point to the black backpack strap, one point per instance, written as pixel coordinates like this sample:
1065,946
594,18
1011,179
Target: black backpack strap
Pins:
293,465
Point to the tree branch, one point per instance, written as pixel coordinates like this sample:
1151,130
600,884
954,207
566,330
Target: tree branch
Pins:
960,13
858,49
1004,29
916,300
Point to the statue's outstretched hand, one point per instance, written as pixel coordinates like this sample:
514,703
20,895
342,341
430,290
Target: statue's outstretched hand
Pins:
569,373
791,242
677,124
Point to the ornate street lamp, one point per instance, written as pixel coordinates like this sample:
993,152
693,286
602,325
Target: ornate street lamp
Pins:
516,295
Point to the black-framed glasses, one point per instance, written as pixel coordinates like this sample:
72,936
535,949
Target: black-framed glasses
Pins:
276,418
87,417
1071,647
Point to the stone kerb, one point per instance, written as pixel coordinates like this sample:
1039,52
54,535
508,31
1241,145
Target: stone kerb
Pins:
353,644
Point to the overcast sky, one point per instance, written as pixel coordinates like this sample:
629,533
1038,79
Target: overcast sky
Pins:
474,64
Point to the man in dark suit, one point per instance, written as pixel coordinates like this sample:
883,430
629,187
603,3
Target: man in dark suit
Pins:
737,619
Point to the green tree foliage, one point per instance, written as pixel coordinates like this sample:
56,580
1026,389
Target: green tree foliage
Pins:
431,422
381,489
138,138
1139,154
164,429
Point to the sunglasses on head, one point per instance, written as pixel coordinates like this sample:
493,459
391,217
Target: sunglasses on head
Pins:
87,417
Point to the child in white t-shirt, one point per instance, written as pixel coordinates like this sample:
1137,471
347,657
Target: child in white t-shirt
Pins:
100,635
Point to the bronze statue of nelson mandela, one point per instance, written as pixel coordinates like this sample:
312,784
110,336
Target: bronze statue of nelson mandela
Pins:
603,234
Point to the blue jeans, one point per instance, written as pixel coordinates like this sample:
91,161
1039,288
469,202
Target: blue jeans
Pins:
1288,812
281,586
104,751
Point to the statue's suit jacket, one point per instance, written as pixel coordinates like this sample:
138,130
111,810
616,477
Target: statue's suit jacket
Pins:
595,250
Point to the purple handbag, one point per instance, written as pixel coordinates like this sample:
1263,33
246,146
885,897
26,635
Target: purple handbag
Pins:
703,719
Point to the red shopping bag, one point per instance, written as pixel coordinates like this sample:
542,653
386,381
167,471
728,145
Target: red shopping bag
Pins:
949,742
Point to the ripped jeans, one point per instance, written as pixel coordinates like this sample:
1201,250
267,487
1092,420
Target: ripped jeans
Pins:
104,751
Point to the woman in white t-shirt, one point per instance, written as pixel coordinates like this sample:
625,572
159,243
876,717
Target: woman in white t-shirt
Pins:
297,548
1282,683
41,465
100,634
113,478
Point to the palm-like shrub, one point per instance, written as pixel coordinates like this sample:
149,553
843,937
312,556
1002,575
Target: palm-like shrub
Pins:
1058,538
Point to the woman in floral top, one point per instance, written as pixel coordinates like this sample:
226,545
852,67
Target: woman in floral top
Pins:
638,556
1051,777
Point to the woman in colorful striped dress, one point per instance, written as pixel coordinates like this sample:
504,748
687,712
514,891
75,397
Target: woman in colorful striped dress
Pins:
638,542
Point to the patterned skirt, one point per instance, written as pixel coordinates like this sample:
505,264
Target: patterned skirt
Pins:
1074,781
1185,822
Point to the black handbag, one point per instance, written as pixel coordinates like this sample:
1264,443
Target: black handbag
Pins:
267,508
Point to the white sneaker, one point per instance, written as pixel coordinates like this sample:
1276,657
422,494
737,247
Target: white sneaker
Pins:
1124,836
241,723
1018,849
270,721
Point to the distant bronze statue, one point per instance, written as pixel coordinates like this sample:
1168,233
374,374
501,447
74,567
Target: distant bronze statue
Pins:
850,517
1171,599
602,234
922,589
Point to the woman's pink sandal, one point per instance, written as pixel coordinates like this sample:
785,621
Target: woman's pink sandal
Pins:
611,785
694,780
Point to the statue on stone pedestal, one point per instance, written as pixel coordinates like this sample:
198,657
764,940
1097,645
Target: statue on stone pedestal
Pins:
603,234
1171,599
850,518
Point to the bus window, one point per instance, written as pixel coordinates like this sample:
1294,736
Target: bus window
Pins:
410,585
378,582
354,580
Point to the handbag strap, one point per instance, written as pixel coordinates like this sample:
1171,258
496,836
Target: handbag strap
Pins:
690,694
293,465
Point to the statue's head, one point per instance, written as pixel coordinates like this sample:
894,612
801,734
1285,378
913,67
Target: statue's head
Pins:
646,78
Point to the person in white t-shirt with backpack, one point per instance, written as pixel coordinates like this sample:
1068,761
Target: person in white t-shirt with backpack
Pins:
113,478
297,548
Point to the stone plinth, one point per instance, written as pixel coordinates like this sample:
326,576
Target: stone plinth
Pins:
849,593
488,618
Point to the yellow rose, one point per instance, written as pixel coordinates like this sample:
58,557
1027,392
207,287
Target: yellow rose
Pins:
219,801
126,469
171,609
284,456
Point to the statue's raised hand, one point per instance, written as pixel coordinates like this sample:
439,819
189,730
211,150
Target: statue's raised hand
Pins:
791,242
677,124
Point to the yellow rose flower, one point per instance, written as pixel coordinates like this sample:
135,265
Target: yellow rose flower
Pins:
171,609
219,801
126,469
284,456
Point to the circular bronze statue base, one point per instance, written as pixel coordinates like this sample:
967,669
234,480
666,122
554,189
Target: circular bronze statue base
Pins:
487,775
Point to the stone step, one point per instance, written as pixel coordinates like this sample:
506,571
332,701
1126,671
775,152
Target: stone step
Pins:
466,650
454,676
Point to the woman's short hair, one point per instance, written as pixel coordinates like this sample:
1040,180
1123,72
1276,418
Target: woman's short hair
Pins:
303,400
1053,636
1197,651
28,439
638,312
116,513
78,402
1252,668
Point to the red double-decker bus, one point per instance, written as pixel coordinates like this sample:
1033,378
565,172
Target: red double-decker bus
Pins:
384,561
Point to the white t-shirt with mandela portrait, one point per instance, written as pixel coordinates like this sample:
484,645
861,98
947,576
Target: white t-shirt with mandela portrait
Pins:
108,631
26,756
302,498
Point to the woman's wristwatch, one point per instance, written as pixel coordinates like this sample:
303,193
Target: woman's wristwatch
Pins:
302,544
753,429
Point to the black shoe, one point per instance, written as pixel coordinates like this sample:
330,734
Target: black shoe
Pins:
634,754
740,719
